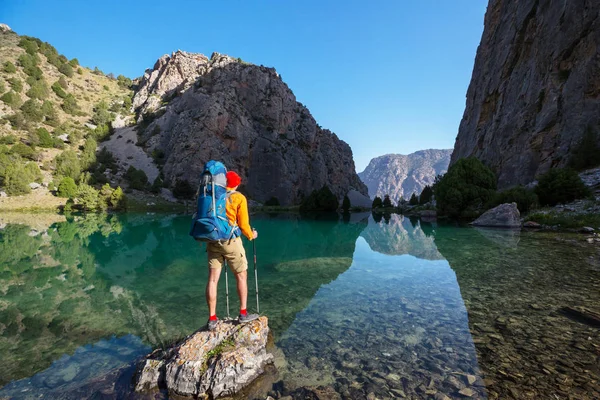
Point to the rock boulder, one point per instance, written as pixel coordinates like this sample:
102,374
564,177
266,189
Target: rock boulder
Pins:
504,216
214,364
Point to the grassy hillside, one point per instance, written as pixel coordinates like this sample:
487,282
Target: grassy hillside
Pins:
53,113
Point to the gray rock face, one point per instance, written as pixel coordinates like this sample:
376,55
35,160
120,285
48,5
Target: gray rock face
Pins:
5,28
504,216
535,87
358,199
218,363
196,109
402,175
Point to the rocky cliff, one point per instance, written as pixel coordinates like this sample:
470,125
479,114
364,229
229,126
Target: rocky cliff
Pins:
192,109
402,175
535,87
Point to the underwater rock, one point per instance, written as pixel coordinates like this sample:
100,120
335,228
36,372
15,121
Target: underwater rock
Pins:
218,363
327,263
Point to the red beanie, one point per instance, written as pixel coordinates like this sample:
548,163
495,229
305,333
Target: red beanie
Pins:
233,179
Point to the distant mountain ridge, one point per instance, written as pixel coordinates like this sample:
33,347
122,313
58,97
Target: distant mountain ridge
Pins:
402,175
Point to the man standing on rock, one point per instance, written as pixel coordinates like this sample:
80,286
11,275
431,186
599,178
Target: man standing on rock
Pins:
231,251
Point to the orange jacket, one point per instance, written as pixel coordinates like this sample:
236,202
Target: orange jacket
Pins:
237,213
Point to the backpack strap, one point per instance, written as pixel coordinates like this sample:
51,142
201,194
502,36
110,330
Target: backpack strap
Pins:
234,230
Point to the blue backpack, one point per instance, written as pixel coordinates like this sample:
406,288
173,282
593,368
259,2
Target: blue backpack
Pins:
210,223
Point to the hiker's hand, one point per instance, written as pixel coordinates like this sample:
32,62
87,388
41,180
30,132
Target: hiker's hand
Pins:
254,234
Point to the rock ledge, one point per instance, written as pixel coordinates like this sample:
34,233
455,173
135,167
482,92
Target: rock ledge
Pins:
209,364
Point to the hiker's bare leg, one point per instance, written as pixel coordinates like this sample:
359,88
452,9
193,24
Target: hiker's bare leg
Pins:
242,288
211,289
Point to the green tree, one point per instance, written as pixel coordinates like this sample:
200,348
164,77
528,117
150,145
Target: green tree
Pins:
74,62
386,201
2,87
322,200
67,188
426,195
88,153
50,115
137,178
66,69
587,152
377,202
526,199
9,68
156,185
183,189
8,139
87,197
33,172
465,188
560,185
67,164
414,200
346,204
16,84
118,200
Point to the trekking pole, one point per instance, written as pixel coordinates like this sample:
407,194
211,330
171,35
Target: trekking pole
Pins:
255,275
227,289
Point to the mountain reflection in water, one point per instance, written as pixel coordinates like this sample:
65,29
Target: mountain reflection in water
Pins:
359,306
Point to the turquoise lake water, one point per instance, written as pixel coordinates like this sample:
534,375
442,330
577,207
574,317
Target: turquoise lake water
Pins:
368,308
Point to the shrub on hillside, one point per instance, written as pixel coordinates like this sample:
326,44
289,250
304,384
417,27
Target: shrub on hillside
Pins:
320,200
50,115
58,89
32,111
587,152
9,68
101,114
70,105
183,189
137,178
24,151
102,132
67,164
38,90
106,158
30,46
526,199
66,69
16,174
88,153
2,87
18,121
67,188
559,186
16,84
123,81
465,188
74,62
11,99
8,139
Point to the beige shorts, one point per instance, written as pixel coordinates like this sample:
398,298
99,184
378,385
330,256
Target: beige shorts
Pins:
231,251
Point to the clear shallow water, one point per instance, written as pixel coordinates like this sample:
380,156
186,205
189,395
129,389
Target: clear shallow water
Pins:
389,309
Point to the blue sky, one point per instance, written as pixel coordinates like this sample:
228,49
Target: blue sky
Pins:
385,76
